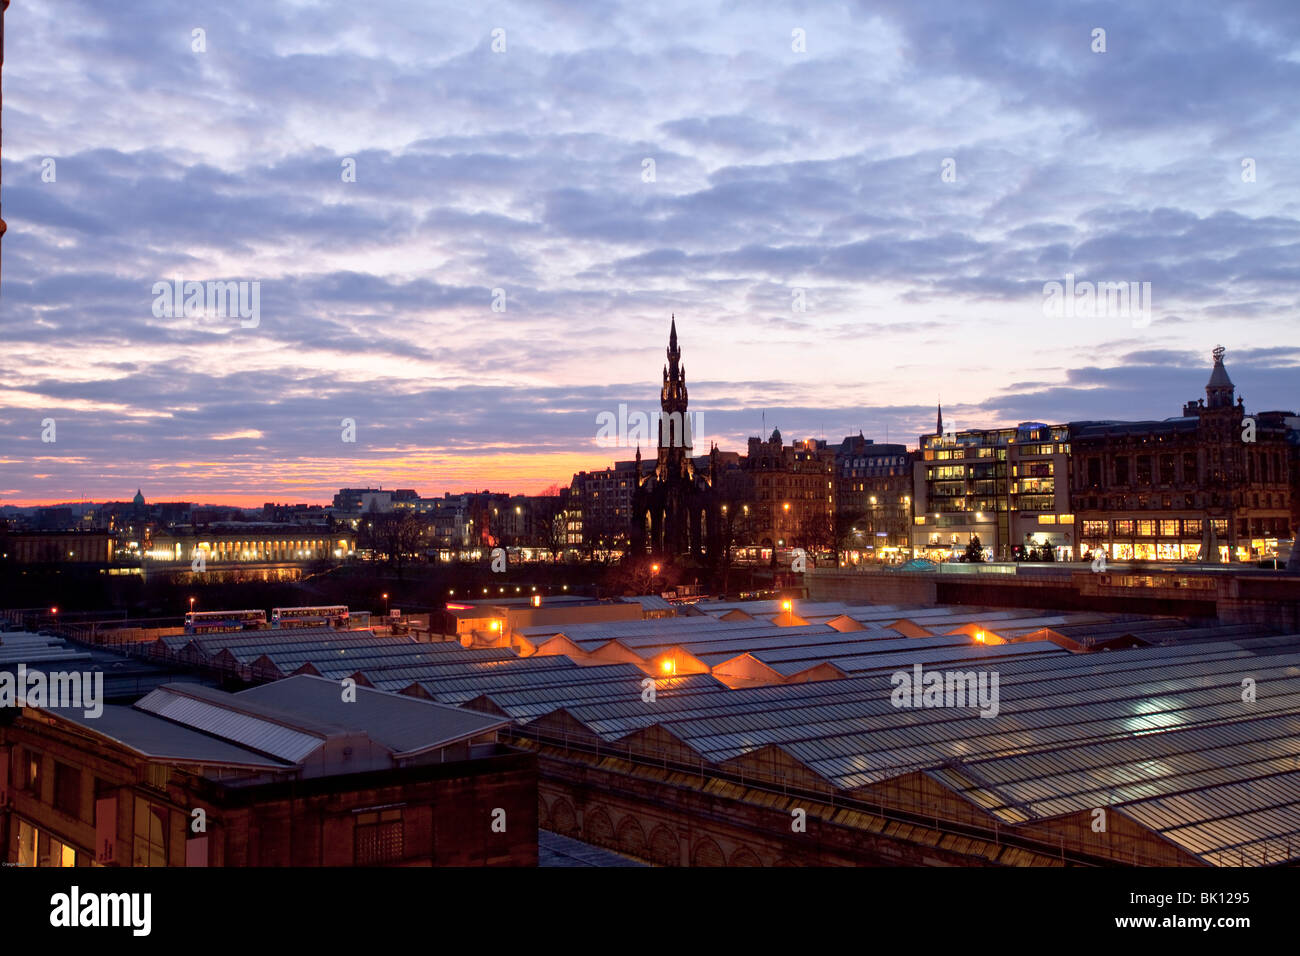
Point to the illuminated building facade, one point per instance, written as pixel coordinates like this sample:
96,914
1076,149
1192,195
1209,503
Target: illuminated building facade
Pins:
782,497
873,497
1188,487
598,508
251,543
1008,486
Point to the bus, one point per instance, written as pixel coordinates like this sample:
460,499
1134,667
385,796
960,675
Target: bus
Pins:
332,615
206,622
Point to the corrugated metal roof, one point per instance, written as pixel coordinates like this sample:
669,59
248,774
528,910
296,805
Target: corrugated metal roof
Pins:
165,741
405,725
254,732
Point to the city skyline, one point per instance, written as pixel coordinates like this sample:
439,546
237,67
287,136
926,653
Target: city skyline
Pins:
488,161
625,451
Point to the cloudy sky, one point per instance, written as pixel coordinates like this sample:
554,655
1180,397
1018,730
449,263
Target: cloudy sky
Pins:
911,174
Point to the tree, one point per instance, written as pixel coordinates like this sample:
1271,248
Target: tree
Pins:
600,532
396,535
974,550
550,523
848,529
816,532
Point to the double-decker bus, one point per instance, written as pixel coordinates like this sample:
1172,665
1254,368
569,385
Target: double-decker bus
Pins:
333,615
205,622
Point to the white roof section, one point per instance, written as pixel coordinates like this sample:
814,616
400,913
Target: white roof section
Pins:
291,719
179,704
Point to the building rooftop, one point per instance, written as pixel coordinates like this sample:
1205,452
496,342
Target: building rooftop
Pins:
299,726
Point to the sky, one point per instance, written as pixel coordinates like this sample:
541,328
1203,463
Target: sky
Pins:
469,228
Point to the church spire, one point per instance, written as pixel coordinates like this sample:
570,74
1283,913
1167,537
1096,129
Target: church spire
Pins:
938,425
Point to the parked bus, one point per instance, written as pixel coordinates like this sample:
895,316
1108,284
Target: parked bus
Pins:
204,622
332,615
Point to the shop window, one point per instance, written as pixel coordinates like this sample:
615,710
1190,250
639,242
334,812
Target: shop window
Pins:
61,854
150,834
26,843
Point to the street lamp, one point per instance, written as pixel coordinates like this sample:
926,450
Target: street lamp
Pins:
385,604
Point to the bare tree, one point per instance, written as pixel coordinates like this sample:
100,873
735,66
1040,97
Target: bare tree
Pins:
397,535
549,520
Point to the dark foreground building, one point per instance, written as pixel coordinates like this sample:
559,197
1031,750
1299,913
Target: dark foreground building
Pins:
285,774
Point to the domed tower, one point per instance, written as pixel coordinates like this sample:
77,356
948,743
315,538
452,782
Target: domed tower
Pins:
1219,391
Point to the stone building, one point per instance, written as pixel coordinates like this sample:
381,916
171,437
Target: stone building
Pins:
1214,483
675,507
781,497
284,774
873,496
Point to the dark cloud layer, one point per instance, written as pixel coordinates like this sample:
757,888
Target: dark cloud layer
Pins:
846,233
